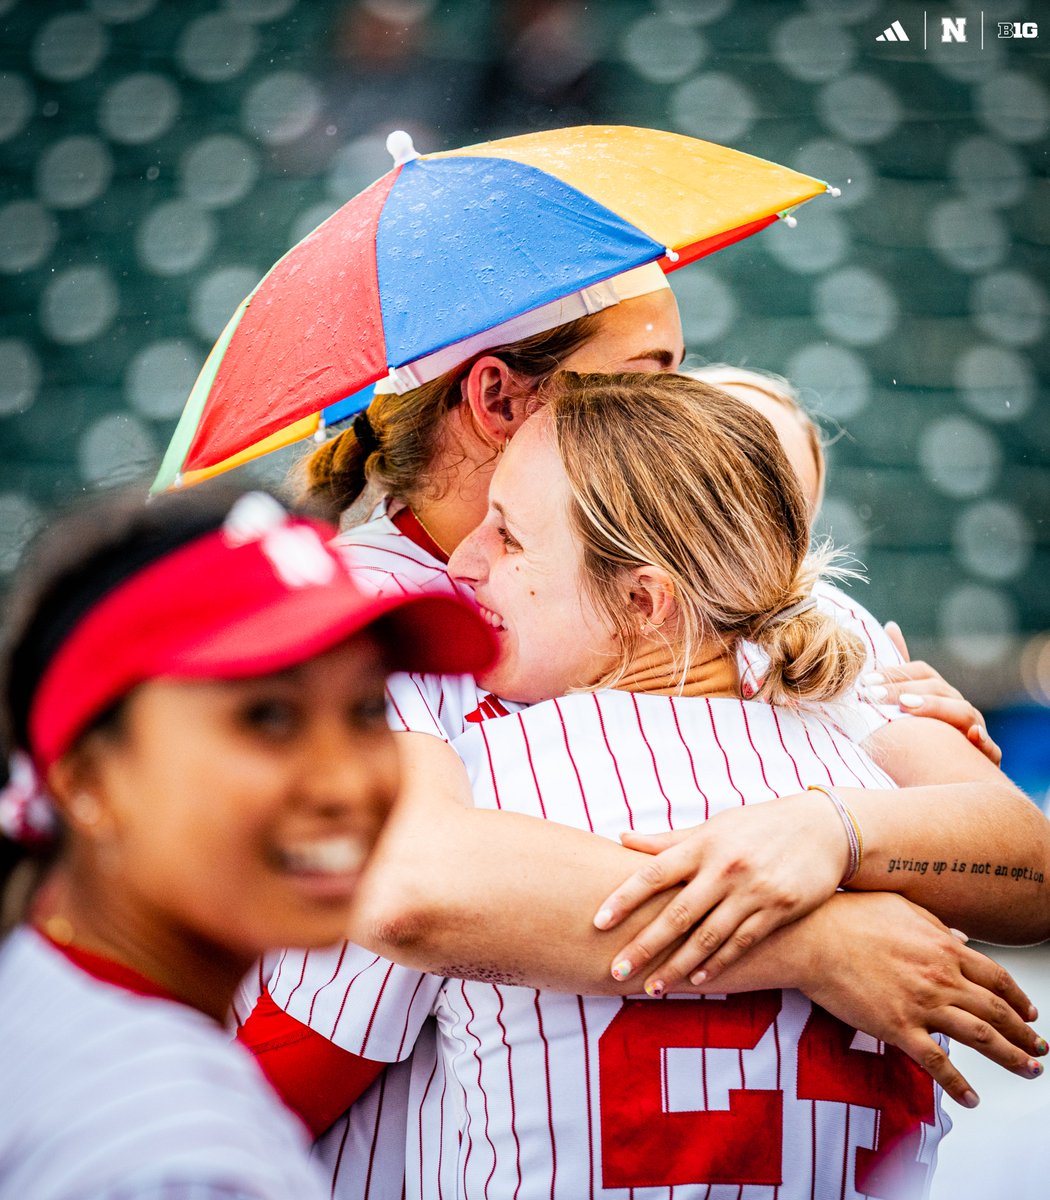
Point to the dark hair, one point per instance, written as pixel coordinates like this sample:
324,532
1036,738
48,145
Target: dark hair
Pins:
406,429
71,565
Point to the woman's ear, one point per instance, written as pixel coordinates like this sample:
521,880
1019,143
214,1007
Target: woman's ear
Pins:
77,789
497,402
651,596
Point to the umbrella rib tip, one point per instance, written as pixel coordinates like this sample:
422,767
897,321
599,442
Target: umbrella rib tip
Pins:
400,148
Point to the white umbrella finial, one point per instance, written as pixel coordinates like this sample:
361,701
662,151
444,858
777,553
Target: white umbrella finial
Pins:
399,146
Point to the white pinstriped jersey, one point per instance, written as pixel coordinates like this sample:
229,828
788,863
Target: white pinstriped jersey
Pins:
343,993
122,1097
753,1096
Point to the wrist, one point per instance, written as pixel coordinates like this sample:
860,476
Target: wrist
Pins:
851,830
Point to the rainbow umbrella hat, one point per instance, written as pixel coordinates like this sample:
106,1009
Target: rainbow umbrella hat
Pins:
445,246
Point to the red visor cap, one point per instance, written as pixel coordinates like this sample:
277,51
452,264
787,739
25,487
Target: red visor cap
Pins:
214,609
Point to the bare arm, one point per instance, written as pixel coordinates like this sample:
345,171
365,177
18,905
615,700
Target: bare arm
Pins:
748,871
507,897
962,817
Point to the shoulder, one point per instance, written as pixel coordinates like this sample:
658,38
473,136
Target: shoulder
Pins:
386,561
856,618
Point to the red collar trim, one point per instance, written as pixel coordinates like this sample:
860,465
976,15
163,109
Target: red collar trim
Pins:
407,523
110,971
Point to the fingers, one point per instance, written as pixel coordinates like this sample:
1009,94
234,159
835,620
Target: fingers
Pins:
922,1049
653,843
991,976
672,862
896,636
674,922
714,946
978,736
885,685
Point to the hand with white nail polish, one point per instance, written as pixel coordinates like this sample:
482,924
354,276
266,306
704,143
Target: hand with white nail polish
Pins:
922,690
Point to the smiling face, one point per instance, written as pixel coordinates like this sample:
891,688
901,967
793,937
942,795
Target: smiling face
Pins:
241,813
525,568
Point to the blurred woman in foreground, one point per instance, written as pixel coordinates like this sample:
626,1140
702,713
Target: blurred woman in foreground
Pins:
196,692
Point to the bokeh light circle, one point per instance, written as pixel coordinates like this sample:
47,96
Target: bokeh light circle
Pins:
856,306
832,381
1010,307
993,540
79,304
19,376
860,108
115,449
216,297
714,106
817,243
259,10
968,236
813,48
69,46
707,303
160,377
16,104
281,108
1014,106
119,12
139,108
661,49
988,171
959,457
20,519
176,237
979,624
693,12
356,165
849,11
839,522
842,165
28,233
216,47
996,383
74,172
219,170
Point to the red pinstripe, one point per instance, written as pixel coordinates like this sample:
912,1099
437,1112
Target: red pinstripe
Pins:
375,1008
550,1106
692,764
492,769
718,740
346,996
510,1089
780,734
532,766
751,740
484,1097
579,781
587,1090
656,769
615,761
338,968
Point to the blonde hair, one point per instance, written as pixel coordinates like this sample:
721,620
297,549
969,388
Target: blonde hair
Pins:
408,429
778,389
670,472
